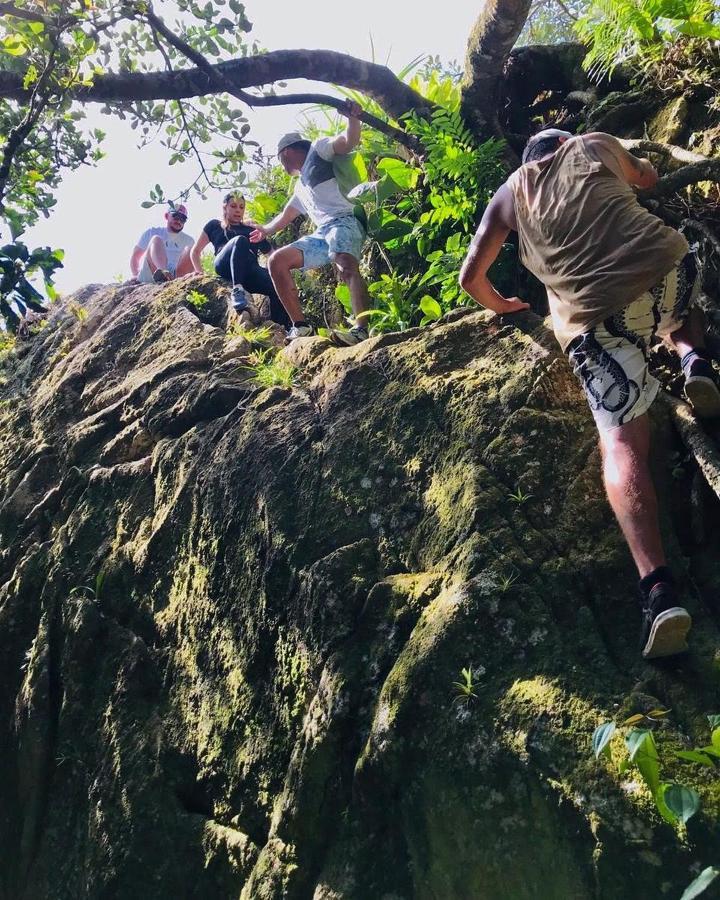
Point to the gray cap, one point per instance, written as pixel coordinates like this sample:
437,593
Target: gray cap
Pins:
292,137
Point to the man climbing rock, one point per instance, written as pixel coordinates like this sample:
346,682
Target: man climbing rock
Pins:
162,254
616,279
338,235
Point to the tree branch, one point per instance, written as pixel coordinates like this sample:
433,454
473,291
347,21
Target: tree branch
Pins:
218,79
708,170
670,151
376,81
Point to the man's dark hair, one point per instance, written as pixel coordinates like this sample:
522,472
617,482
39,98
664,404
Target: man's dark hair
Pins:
300,145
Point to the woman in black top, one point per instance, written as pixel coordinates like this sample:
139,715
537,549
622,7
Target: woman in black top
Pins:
236,258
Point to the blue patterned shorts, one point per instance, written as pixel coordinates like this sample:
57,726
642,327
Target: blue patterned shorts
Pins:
611,359
344,235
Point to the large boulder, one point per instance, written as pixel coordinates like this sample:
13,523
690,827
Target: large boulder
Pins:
232,617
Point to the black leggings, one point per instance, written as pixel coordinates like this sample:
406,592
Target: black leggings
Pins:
238,264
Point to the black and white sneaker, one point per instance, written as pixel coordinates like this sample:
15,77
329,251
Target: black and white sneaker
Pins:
701,387
239,300
348,338
665,623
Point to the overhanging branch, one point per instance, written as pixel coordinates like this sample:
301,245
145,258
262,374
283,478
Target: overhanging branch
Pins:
378,82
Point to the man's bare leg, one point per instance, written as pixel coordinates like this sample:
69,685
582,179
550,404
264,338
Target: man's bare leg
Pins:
280,266
349,272
156,255
631,492
184,266
700,382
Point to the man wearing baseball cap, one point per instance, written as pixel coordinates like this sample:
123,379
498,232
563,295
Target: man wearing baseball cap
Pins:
617,279
338,237
162,254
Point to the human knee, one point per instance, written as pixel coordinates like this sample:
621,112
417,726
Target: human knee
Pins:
346,265
240,242
278,265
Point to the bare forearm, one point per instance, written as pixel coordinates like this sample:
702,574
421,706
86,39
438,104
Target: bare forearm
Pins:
482,291
352,133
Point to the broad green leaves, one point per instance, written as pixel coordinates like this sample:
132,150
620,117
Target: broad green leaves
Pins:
683,802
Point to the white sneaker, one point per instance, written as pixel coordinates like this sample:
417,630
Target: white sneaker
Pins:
301,331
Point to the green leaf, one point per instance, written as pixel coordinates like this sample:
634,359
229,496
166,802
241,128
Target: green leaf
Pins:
601,738
703,881
431,308
342,294
683,802
643,752
714,721
633,720
146,204
401,173
696,756
715,739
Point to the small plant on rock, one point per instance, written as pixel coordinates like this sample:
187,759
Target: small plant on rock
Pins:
465,688
79,311
197,299
270,371
519,496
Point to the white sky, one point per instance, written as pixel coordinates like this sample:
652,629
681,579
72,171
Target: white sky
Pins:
98,218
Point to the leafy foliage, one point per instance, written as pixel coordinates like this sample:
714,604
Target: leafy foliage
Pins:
17,294
675,802
60,46
619,31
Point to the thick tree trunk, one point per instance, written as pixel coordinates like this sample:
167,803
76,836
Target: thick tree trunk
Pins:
489,46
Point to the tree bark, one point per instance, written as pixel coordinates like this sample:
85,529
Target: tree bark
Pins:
376,81
491,40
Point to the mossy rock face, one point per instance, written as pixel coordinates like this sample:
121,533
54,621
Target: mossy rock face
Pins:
232,618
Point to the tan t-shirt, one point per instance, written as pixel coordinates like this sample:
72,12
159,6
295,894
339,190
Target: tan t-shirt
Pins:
585,236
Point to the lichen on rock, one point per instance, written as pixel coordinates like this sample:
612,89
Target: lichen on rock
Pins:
232,618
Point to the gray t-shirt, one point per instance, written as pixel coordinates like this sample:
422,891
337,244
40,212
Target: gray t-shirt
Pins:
175,243
317,194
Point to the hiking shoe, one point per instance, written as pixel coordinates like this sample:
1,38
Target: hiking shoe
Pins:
239,300
701,387
298,331
665,623
160,276
348,338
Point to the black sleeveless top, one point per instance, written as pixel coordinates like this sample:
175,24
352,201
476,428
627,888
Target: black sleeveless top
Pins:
219,235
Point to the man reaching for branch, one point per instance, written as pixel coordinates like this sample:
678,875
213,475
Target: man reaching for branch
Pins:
616,279
338,236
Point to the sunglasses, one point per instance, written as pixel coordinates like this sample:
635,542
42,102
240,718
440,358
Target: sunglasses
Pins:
178,215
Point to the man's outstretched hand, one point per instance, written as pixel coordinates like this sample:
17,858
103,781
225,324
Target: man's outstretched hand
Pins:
258,234
511,305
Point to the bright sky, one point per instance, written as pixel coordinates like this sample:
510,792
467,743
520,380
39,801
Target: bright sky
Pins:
98,218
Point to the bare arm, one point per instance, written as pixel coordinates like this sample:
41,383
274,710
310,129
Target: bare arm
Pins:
288,215
345,143
608,150
496,224
137,255
198,247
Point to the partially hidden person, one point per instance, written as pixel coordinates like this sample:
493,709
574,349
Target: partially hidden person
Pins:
236,258
338,237
163,253
617,278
